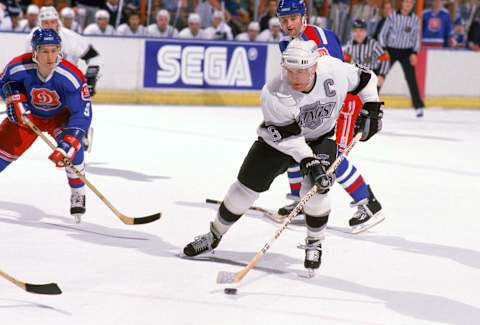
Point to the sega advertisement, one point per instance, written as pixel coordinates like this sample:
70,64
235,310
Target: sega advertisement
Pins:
204,65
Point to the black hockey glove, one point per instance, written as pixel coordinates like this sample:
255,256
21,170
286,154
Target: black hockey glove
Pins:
369,121
92,75
314,168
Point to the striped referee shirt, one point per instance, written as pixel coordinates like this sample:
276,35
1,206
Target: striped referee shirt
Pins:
401,32
369,54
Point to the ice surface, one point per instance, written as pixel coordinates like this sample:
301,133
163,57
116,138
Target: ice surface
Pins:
420,266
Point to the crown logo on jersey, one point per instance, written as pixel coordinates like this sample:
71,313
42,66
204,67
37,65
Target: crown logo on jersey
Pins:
45,99
312,115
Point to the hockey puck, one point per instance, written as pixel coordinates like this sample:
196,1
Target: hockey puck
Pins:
230,291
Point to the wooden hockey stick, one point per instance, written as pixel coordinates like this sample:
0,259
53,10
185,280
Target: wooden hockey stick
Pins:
125,219
43,289
230,277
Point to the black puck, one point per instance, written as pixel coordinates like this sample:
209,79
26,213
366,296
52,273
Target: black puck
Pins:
230,291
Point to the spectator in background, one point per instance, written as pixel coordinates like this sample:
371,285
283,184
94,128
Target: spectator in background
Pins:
67,16
205,9
193,30
437,26
271,12
161,27
368,11
318,21
474,32
386,10
400,35
101,25
111,6
273,34
5,21
219,30
14,12
459,38
467,11
132,27
31,19
251,34
86,10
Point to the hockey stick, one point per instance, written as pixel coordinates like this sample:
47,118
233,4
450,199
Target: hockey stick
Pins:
230,277
125,219
253,208
43,289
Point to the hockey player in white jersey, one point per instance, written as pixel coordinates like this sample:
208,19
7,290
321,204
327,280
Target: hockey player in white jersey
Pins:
161,27
300,109
100,26
193,31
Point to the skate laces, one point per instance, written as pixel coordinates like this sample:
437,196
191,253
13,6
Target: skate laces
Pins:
203,242
312,250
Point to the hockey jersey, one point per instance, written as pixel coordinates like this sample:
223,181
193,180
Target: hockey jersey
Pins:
437,28
315,113
326,40
153,30
65,88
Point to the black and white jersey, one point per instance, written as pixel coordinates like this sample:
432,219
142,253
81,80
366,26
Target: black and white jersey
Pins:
369,54
401,32
291,118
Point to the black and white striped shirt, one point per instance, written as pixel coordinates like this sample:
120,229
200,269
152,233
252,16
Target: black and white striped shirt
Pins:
401,32
369,53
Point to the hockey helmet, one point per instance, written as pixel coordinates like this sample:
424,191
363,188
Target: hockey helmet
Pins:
45,37
47,13
300,54
291,7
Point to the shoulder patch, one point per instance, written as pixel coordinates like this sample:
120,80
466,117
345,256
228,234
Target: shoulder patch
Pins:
85,92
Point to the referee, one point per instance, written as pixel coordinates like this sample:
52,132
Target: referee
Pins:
366,51
401,37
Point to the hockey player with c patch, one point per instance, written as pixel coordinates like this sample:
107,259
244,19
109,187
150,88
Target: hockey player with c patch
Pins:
300,108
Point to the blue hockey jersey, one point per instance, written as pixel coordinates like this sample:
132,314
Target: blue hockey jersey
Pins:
65,88
327,42
437,28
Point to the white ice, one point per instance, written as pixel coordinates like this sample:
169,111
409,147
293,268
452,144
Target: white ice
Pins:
420,266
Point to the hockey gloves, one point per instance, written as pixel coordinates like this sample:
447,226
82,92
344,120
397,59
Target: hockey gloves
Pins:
314,168
70,141
16,101
369,121
92,75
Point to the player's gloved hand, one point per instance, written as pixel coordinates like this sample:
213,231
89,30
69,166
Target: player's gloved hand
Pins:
92,76
16,101
315,168
68,145
369,121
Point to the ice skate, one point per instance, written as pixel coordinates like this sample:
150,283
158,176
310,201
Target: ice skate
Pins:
368,214
77,206
203,243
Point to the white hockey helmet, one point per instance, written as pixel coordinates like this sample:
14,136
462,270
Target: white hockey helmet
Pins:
67,12
163,13
33,10
102,14
300,54
194,18
47,13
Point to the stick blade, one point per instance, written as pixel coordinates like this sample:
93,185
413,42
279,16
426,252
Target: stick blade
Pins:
43,289
225,277
141,220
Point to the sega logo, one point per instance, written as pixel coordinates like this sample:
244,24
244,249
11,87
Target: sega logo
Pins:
199,65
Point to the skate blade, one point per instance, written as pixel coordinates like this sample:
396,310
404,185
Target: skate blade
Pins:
77,218
310,273
369,224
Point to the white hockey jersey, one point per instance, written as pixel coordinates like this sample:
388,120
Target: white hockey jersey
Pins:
315,112
244,37
125,30
153,30
93,29
187,33
216,32
74,46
